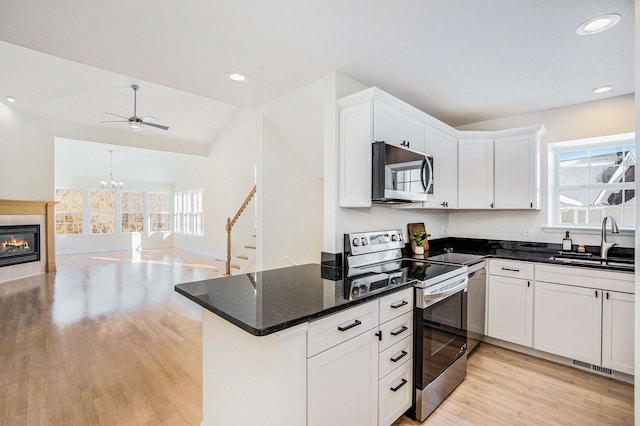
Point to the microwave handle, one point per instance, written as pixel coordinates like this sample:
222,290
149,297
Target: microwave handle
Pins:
426,185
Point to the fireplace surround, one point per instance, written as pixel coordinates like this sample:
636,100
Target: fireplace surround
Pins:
37,208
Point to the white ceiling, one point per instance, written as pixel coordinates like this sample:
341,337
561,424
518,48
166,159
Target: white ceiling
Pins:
461,61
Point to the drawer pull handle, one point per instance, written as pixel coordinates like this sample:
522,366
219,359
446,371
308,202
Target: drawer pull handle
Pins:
399,305
510,269
402,330
355,323
399,357
404,382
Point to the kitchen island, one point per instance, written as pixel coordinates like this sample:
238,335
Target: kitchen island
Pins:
255,343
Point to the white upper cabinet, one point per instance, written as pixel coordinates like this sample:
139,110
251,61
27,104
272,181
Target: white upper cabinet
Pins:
356,136
516,172
499,170
444,149
475,174
394,127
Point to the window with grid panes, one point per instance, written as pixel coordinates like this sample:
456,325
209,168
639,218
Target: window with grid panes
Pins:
177,212
187,211
159,211
132,211
102,211
198,214
68,217
593,180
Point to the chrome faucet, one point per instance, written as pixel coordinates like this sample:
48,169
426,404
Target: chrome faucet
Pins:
604,245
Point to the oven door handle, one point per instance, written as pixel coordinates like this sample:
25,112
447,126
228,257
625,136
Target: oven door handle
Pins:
462,285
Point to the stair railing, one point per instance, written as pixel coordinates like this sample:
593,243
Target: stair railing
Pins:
247,226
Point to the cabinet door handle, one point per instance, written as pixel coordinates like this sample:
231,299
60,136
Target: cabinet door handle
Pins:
607,295
596,293
402,330
379,334
399,305
355,323
511,269
404,382
528,283
531,205
399,357
491,205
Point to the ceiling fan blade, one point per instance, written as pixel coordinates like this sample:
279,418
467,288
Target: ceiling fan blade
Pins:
159,126
114,121
117,115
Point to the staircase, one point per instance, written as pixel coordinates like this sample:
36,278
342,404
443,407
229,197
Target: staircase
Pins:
241,236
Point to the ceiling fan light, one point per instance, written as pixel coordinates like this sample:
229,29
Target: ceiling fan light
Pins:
11,99
598,24
135,125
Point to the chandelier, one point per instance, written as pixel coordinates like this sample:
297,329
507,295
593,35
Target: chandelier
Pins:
114,184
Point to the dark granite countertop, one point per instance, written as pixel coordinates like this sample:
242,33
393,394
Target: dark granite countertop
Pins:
265,302
529,252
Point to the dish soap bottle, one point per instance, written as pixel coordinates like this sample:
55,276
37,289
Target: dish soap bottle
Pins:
566,243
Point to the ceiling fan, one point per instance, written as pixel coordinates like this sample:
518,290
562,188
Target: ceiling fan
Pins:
134,121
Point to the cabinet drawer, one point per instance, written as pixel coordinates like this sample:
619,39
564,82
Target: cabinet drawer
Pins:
510,268
396,304
395,356
337,328
395,330
395,394
586,277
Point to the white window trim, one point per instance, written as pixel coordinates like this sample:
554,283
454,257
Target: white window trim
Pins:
554,149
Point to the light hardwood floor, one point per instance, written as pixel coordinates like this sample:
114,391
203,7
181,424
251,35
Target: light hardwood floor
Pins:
106,340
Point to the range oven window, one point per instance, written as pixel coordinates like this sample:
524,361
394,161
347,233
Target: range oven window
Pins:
441,336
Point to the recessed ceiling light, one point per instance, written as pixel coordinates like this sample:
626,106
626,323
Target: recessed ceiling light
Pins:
11,99
598,24
237,76
603,89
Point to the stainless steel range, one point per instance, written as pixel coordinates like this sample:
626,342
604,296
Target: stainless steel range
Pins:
373,261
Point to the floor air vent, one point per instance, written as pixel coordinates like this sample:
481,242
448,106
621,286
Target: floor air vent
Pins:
593,368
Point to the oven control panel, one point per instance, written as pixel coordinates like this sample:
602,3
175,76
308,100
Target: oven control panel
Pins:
370,242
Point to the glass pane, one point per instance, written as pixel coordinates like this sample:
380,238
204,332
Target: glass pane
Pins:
596,214
629,213
573,206
606,165
629,163
574,168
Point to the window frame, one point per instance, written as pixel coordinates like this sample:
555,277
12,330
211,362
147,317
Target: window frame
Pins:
124,211
68,212
99,212
554,187
152,212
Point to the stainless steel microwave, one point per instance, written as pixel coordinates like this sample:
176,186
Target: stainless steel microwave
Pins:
400,175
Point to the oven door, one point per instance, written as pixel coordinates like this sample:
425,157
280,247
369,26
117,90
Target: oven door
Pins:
440,336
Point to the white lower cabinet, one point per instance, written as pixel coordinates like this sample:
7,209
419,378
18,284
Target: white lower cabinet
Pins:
342,387
582,315
510,302
617,331
360,363
568,321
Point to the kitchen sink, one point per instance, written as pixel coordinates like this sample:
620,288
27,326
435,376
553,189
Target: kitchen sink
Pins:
593,260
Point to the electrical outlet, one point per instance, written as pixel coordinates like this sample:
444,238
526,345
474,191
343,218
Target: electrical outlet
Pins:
526,234
444,231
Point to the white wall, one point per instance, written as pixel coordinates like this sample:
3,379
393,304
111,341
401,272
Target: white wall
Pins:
227,175
290,184
606,117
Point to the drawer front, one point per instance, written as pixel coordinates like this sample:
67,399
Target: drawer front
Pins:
511,268
586,277
396,304
395,356
395,330
395,394
337,328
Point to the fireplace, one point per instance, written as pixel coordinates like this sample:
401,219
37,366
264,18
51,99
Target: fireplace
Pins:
19,244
